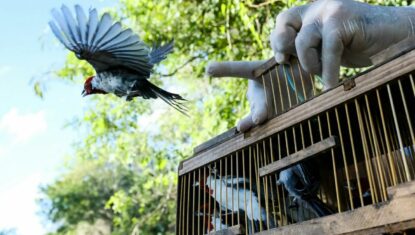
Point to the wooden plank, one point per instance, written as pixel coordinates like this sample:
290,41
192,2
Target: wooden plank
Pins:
391,212
234,230
386,229
401,190
216,140
364,83
393,51
265,67
299,156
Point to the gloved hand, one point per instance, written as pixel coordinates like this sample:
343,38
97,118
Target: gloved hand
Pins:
328,33
255,93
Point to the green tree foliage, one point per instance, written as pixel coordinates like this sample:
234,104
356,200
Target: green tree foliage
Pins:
122,178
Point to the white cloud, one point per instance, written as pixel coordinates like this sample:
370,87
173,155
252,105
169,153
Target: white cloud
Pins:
23,126
18,206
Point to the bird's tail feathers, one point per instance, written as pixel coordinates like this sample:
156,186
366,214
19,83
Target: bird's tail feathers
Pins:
318,207
159,53
172,99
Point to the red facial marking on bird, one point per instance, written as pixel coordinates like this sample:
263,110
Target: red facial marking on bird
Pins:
89,89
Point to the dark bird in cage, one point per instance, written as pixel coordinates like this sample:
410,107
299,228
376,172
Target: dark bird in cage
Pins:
123,63
225,192
302,184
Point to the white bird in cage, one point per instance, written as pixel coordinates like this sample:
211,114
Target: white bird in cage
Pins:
228,196
303,185
217,224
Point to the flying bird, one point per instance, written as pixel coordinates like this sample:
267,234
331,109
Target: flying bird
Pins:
122,61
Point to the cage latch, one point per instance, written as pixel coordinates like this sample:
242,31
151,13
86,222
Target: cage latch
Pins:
349,84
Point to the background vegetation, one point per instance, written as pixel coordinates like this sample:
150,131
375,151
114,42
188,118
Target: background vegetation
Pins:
122,177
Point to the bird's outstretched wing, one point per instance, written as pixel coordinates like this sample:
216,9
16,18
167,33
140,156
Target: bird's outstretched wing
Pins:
103,43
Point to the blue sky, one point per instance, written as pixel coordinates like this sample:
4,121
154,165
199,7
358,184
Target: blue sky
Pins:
33,142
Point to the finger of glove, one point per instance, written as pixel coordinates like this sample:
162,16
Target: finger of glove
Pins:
308,43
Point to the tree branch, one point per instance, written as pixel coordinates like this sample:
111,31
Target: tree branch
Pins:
181,66
263,4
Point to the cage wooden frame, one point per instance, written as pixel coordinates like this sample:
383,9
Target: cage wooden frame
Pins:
230,143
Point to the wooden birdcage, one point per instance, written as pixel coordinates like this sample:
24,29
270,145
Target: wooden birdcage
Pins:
357,139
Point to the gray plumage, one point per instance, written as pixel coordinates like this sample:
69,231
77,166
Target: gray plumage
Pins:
302,184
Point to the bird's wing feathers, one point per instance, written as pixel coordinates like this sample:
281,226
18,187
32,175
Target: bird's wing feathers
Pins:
103,43
159,53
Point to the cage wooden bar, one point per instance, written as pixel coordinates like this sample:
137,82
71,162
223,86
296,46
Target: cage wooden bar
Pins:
356,139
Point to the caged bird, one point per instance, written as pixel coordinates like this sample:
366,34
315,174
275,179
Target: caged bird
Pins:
123,63
227,194
302,183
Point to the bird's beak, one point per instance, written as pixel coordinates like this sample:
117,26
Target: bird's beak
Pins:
83,93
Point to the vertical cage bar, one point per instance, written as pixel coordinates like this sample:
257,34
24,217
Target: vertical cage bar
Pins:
405,163
273,92
295,85
180,224
373,170
220,195
188,203
365,152
198,203
215,171
302,80
271,188
209,198
233,206
279,88
386,136
408,119
183,205
204,228
359,187
193,203
333,160
283,192
344,158
226,191
277,190
377,153
256,167
412,83
265,183
282,187
287,86
245,206
250,188
237,186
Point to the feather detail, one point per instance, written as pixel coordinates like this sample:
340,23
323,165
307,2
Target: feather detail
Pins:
62,38
147,89
82,24
64,29
102,29
113,32
159,53
92,26
124,35
72,25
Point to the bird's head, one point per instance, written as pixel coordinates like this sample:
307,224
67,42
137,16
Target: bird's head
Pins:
90,89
